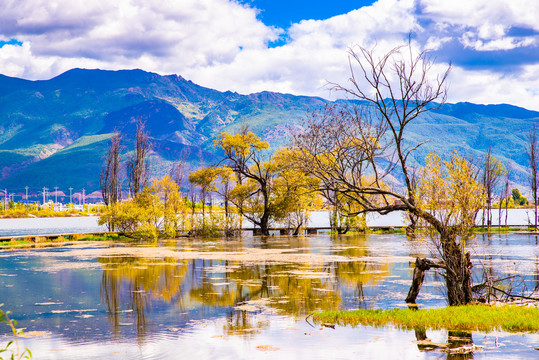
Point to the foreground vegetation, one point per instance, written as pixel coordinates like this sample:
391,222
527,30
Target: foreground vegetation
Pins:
468,317
12,349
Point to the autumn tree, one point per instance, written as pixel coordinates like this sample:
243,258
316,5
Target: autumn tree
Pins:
266,189
533,157
518,198
354,156
243,155
293,192
138,217
156,210
452,192
225,177
138,167
204,178
109,180
172,205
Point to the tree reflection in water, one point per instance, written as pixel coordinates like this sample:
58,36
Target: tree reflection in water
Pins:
242,290
459,345
134,282
357,273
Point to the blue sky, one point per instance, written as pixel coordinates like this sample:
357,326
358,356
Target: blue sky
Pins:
284,13
286,46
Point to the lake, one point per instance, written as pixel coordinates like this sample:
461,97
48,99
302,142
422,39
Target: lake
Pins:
88,224
245,298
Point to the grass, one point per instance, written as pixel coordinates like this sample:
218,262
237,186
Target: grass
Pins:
511,318
5,244
22,242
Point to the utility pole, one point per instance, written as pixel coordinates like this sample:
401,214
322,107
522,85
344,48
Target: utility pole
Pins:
26,187
83,194
55,194
44,194
70,195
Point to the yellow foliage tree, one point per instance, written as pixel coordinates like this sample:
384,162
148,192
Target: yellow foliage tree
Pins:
451,191
265,190
159,208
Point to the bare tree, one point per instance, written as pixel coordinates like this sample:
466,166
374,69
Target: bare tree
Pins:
492,172
193,203
138,167
177,173
533,157
505,194
359,155
109,180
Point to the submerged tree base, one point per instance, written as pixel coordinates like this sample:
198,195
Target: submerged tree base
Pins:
509,318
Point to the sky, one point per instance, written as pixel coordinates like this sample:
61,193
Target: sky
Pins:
287,46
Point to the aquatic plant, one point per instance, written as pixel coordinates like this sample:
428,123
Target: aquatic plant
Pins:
8,348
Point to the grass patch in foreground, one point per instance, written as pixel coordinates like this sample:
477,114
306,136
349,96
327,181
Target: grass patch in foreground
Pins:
510,318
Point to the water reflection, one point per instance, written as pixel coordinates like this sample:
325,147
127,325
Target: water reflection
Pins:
160,304
355,274
130,285
459,344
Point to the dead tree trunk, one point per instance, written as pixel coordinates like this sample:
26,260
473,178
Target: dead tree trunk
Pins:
457,266
421,265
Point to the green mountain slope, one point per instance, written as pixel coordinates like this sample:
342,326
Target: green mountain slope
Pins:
56,132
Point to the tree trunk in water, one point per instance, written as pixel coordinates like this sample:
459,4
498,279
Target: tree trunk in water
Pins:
417,281
264,229
457,272
421,265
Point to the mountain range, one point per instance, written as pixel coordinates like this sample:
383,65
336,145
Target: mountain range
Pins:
55,132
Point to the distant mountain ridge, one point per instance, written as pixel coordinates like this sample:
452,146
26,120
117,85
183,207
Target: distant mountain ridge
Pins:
55,132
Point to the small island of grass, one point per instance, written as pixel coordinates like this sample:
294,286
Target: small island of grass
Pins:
510,318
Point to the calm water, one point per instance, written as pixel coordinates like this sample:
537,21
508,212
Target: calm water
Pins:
88,224
240,299
55,225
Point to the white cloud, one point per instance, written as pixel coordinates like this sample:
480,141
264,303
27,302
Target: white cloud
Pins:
184,33
483,13
485,87
484,23
316,52
221,43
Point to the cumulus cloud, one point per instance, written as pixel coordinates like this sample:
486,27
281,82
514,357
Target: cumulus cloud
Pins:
483,25
316,51
116,33
222,44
